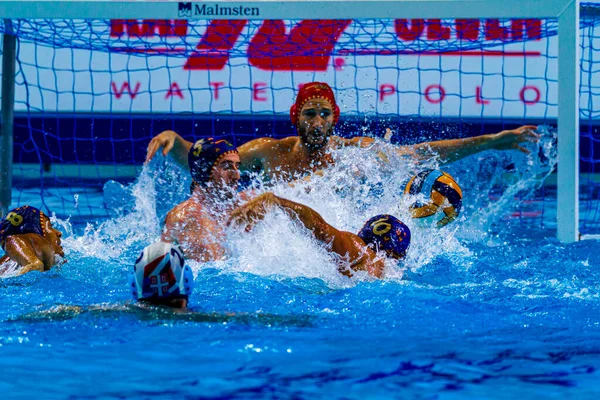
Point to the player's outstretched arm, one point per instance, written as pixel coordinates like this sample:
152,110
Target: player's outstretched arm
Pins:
169,142
252,153
346,244
452,150
455,149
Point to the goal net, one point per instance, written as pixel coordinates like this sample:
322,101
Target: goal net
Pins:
94,83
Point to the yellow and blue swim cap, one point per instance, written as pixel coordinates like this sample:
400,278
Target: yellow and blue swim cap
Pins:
21,220
204,155
387,233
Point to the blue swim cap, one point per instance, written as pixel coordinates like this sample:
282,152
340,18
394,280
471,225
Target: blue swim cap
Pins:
388,233
160,273
203,156
21,220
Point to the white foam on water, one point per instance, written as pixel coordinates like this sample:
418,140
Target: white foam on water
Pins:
110,239
280,247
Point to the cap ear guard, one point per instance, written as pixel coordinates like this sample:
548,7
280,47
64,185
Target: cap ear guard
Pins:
132,285
187,282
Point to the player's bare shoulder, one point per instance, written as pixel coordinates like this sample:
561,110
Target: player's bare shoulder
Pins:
286,144
269,147
279,144
255,144
247,195
265,147
190,209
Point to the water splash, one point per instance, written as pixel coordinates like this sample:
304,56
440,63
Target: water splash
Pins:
361,184
279,247
503,182
134,224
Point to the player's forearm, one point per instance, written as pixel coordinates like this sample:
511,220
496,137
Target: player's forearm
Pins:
375,268
34,266
309,218
453,149
181,148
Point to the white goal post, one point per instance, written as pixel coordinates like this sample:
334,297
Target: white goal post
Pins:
565,11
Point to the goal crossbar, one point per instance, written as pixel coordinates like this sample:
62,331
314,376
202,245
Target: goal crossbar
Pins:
277,9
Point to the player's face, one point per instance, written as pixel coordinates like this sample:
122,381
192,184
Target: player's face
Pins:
226,173
53,236
315,122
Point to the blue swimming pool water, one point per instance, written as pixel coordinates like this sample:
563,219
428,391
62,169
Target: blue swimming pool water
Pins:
493,307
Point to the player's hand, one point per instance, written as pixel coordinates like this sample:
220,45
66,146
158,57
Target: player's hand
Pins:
512,139
253,211
388,134
58,249
164,140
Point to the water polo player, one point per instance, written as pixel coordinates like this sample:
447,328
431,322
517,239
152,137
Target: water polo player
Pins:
160,276
197,223
28,238
314,115
382,233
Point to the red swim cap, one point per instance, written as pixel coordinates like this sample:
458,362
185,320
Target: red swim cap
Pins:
314,90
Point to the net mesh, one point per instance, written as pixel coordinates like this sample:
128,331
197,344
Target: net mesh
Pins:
90,94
